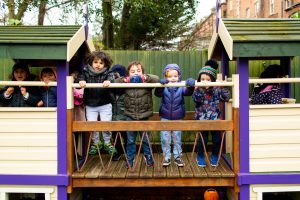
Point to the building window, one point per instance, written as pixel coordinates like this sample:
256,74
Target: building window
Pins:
271,7
256,8
288,3
247,12
238,8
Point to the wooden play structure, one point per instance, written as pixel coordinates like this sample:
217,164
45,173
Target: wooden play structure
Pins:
37,144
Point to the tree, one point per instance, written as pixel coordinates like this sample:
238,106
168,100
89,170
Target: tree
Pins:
152,24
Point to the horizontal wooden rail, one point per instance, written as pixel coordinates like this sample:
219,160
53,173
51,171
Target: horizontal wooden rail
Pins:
274,80
184,125
27,83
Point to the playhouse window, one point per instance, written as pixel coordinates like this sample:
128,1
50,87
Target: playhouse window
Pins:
27,193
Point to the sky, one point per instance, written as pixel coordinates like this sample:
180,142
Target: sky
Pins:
204,9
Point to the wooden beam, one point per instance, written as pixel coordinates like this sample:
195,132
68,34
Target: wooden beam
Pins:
190,125
173,182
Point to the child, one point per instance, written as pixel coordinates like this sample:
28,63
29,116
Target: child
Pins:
20,96
138,106
268,93
97,100
118,107
208,107
48,93
172,108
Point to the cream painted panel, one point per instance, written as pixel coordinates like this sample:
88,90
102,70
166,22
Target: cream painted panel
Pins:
28,154
28,139
275,165
35,114
229,136
27,127
275,111
275,137
274,123
28,167
275,151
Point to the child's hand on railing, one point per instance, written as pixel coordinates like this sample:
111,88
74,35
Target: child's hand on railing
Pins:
163,81
9,91
190,82
82,84
106,83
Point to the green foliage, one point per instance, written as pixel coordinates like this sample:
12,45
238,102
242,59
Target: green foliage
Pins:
14,22
296,15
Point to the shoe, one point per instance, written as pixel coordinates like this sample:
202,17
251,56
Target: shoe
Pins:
201,161
110,149
179,162
166,162
213,160
116,157
149,160
93,150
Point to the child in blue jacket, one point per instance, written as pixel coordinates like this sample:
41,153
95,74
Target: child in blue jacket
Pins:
173,108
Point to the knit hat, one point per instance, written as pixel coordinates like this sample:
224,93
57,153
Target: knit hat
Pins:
120,69
19,65
211,72
173,67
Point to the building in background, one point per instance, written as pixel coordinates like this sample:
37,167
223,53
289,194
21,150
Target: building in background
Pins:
201,35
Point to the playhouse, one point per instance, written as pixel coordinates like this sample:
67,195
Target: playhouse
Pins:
33,140
269,134
37,148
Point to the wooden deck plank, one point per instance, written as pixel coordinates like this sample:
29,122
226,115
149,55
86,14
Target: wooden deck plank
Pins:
159,170
210,170
96,168
135,172
88,165
224,169
197,171
120,170
172,170
186,171
146,172
109,170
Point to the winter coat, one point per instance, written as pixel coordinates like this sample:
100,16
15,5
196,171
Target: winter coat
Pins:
138,101
18,100
49,96
96,96
266,94
172,105
208,102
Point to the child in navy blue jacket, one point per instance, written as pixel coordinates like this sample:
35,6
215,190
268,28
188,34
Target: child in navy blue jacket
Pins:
48,93
173,108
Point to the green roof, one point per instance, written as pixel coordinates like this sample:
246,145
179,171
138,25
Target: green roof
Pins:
42,42
256,38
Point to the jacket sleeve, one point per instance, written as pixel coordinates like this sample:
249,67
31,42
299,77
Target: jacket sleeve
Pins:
150,78
159,92
34,96
224,94
188,91
119,80
110,76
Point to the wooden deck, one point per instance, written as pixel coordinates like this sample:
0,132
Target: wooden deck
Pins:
117,175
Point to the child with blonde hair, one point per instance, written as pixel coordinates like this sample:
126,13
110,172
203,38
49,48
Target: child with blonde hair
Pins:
172,107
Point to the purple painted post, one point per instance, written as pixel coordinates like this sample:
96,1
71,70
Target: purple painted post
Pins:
243,70
62,72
